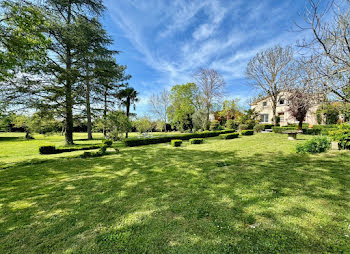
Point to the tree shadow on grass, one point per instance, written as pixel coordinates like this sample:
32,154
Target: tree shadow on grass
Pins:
162,199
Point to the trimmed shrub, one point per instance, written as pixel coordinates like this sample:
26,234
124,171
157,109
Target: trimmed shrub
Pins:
103,149
242,127
196,141
55,150
229,136
312,131
281,130
247,132
267,126
259,128
315,145
168,138
176,142
47,149
108,142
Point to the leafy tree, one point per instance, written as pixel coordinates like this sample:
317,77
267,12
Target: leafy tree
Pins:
25,122
128,97
22,42
184,102
143,124
199,120
117,124
230,110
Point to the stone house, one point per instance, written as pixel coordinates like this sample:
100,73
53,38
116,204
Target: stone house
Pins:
264,108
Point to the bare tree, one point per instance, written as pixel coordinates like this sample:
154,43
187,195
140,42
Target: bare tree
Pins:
269,72
211,87
329,22
159,105
303,93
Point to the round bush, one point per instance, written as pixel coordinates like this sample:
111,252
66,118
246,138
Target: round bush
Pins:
318,144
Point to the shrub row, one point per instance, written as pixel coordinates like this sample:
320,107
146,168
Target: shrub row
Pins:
229,135
280,130
247,132
315,145
54,150
196,141
168,138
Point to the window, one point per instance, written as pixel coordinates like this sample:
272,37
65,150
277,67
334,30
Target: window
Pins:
264,118
282,101
264,104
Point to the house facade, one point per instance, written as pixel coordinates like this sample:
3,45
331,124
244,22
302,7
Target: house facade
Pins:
264,108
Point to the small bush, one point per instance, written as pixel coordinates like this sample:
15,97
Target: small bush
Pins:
47,150
312,131
103,149
116,150
247,132
267,126
108,142
281,130
315,145
229,136
176,142
214,125
230,124
242,127
195,141
259,128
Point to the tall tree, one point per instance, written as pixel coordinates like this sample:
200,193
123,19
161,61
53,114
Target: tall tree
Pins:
128,98
159,105
269,72
211,87
184,102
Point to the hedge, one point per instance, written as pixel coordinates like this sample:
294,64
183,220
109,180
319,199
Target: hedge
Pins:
247,132
168,138
229,136
176,142
283,129
54,150
196,141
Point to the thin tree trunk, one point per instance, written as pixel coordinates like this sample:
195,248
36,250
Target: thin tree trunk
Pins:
68,89
127,114
105,112
300,127
88,106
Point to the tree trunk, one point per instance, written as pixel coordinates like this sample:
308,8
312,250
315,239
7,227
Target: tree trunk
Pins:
300,126
127,114
88,106
68,88
274,109
105,112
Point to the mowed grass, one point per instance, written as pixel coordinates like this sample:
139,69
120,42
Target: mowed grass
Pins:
253,194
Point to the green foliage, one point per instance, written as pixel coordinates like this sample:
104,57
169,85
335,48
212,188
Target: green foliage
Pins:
47,149
117,124
342,136
168,138
143,124
108,142
317,144
229,135
330,112
199,120
242,127
196,141
214,125
281,130
56,150
267,126
230,124
247,132
176,142
259,128
184,99
103,149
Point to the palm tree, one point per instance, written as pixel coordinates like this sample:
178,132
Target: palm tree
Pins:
128,97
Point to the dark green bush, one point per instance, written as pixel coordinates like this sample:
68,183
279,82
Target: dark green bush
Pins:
280,130
108,142
229,136
103,149
176,142
312,131
196,141
54,150
267,126
247,132
317,144
47,150
168,138
259,128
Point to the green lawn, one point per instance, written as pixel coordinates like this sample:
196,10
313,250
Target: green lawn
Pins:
253,194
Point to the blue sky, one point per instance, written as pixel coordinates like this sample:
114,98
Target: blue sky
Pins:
164,42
